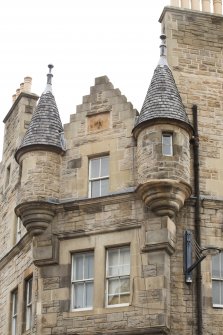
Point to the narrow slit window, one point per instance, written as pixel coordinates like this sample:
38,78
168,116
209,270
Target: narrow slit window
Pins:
28,315
14,300
8,172
167,144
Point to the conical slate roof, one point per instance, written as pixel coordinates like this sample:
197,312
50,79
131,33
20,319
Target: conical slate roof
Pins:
45,127
162,100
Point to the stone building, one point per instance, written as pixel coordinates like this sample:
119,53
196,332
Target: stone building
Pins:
105,222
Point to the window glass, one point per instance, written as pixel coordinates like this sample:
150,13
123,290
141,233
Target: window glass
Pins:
29,283
99,176
217,280
82,280
104,166
95,168
215,266
118,276
95,188
14,311
104,186
167,146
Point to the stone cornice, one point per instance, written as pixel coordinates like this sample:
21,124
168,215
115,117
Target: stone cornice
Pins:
25,240
189,12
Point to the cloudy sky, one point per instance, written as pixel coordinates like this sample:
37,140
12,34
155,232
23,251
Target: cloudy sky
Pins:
84,39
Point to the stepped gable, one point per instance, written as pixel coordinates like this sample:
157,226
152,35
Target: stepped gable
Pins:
45,127
162,100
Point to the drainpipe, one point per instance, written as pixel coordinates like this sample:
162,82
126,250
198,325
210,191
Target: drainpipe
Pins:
197,219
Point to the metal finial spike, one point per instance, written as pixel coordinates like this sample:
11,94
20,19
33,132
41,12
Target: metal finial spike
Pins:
163,37
49,75
163,60
163,45
50,66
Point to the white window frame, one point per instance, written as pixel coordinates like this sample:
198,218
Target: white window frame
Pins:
14,299
83,281
18,230
218,278
28,307
99,178
110,277
169,146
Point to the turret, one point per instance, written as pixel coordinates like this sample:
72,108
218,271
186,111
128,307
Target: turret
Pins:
39,156
163,135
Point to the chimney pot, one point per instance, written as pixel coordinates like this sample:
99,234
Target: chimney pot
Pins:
195,4
217,5
206,6
27,84
174,3
21,87
185,3
13,98
17,92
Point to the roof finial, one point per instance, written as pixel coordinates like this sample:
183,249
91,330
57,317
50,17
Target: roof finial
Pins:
49,79
50,75
163,60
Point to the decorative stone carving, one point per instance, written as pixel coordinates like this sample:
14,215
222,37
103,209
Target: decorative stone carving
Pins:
164,196
36,216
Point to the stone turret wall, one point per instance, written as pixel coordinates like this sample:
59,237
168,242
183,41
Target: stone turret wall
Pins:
40,179
151,162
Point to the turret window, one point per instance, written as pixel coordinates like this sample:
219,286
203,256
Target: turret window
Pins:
167,144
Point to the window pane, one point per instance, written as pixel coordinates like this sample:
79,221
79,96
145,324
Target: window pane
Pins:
78,267
216,266
15,302
29,291
113,286
78,295
124,268
95,188
89,266
104,186
124,285
14,326
113,300
113,262
221,293
104,166
167,144
89,295
124,298
28,317
216,292
221,257
95,168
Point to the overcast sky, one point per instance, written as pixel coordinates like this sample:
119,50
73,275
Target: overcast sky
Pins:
83,39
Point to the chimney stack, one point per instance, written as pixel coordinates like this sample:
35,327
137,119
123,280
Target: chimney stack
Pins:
204,5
